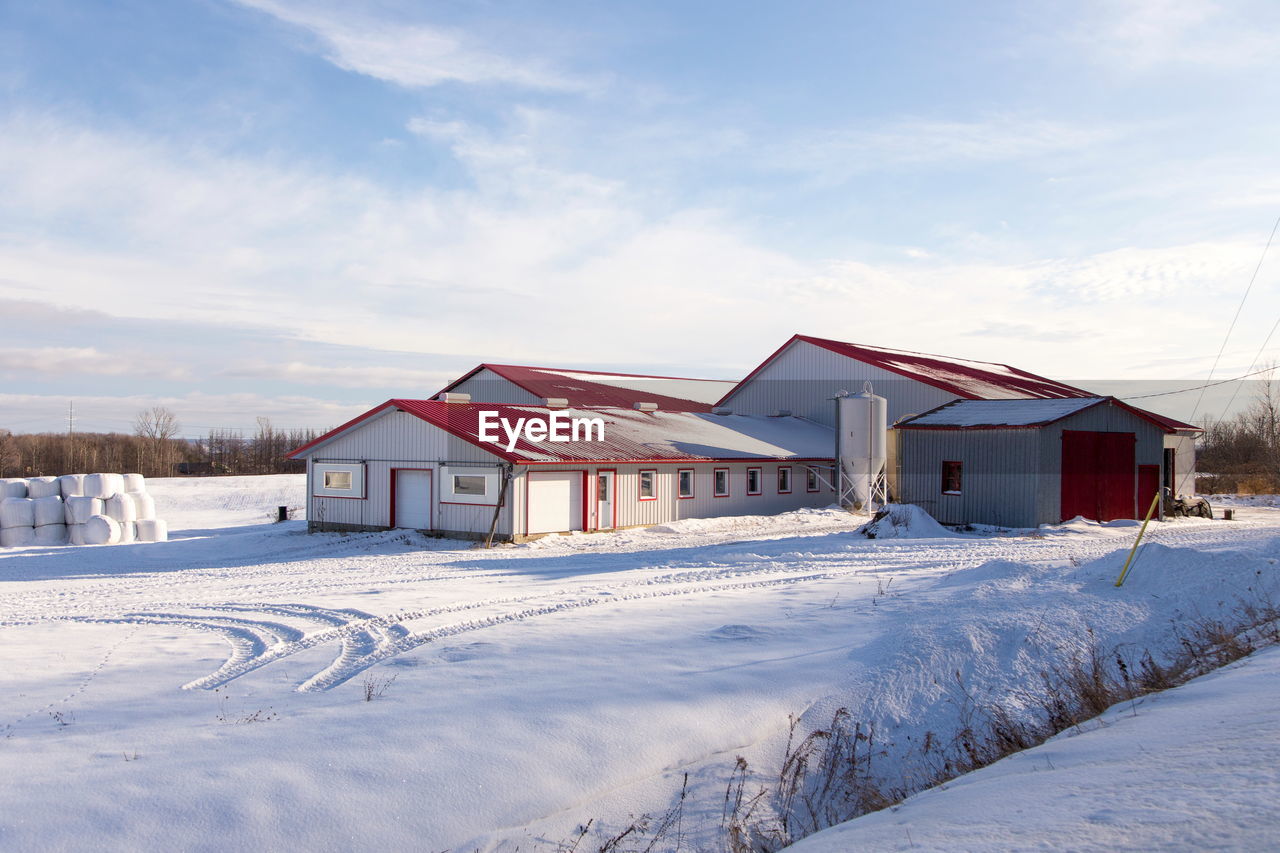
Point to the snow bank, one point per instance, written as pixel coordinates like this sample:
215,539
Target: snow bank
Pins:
904,521
17,512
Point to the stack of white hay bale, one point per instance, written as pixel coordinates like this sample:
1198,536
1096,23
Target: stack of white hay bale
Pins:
80,509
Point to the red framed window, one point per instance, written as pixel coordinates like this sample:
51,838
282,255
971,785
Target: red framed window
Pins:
720,477
952,477
648,485
784,479
811,481
753,481
684,484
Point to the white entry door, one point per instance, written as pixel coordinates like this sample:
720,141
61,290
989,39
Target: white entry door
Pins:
604,500
555,501
413,500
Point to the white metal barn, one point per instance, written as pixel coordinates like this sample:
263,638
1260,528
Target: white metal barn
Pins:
426,465
805,373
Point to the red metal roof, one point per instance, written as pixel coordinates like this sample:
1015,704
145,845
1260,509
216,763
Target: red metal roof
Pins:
584,392
629,436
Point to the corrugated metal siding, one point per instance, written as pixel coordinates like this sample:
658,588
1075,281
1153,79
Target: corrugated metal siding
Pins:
999,475
399,440
804,378
1149,450
488,387
631,511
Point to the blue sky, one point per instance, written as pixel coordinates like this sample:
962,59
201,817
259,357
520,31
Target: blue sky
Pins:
299,209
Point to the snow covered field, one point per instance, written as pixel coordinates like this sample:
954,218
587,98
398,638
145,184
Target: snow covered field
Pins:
210,692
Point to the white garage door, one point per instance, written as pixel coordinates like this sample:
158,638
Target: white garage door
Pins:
413,500
555,501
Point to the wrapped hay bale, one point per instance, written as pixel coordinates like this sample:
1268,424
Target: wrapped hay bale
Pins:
128,532
43,487
17,537
81,509
48,510
51,534
13,487
120,507
152,530
75,534
71,485
134,483
101,530
102,485
144,505
17,512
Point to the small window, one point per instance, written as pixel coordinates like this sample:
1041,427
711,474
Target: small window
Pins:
784,479
648,489
337,480
951,478
721,476
811,481
685,478
753,481
469,484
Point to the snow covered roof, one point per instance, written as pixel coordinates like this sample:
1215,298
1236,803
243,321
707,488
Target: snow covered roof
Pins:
629,435
1012,414
595,389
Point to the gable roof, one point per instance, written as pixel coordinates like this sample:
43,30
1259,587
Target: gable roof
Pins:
597,389
629,435
972,380
1016,414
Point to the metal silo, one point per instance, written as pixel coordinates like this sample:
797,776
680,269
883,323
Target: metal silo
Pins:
862,448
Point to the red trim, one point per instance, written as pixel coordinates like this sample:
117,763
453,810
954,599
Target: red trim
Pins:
431,494
293,454
728,483
759,481
464,503
686,461
518,375
364,483
613,500
786,468
692,484
959,471
640,484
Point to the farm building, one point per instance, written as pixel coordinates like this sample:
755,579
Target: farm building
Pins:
1022,463
531,386
432,465
805,373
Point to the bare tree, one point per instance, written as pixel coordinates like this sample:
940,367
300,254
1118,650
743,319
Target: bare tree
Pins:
158,427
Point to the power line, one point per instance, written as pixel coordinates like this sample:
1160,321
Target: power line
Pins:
1196,387
1231,328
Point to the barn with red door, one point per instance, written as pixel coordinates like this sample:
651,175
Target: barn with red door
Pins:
1022,463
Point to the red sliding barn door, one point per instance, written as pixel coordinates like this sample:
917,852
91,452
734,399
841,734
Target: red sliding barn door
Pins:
1098,475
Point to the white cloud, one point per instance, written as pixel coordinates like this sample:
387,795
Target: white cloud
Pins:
409,54
69,361
1144,35
413,382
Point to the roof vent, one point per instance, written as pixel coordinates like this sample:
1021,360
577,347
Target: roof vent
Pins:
721,410
647,407
556,402
447,397
781,413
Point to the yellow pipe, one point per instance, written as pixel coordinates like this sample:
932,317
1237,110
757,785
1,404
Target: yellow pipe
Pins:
1125,571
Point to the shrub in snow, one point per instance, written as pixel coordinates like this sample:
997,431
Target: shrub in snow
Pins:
903,521
13,487
101,530
17,512
120,507
81,509
71,485
51,534
17,537
43,487
48,510
152,530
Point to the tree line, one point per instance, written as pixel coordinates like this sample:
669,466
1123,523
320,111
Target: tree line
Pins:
153,449
1242,453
